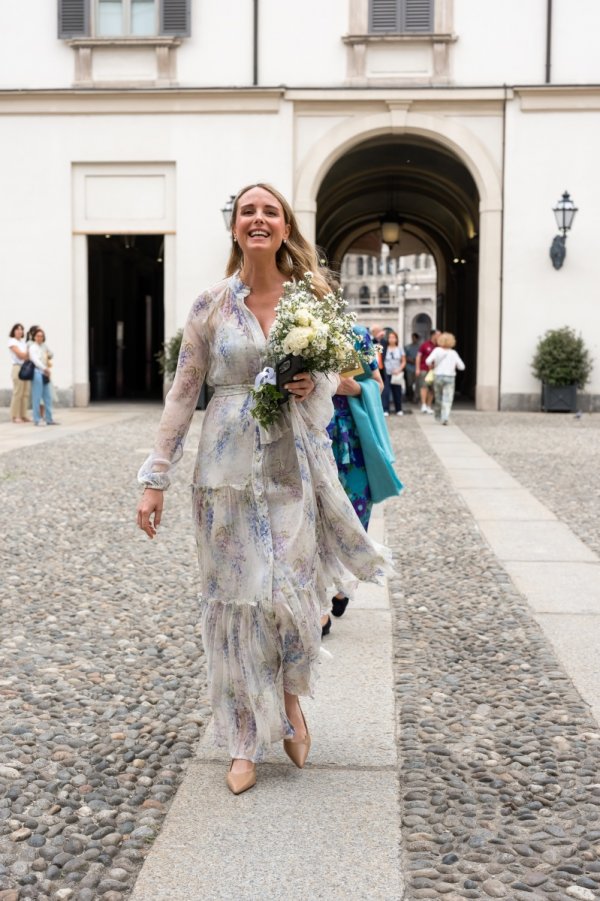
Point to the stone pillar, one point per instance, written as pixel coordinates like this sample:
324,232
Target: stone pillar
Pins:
81,353
488,320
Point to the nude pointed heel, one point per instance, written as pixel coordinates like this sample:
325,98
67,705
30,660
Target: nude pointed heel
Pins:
240,782
297,751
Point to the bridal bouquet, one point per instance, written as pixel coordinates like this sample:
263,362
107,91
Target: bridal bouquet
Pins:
309,335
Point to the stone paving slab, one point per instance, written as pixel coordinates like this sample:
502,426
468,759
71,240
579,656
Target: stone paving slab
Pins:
480,478
558,587
306,834
511,504
535,540
577,639
479,462
352,717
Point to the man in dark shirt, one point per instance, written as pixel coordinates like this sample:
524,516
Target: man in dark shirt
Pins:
421,370
411,350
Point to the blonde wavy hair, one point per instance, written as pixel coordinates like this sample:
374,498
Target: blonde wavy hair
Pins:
447,340
293,258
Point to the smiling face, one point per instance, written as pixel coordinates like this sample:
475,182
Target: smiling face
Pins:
259,225
39,337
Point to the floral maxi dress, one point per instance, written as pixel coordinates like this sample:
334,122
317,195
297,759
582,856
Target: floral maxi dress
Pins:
274,528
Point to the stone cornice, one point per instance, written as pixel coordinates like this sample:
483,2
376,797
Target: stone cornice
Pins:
558,98
140,101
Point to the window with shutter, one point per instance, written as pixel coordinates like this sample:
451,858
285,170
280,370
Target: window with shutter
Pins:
384,15
417,15
175,18
400,16
73,18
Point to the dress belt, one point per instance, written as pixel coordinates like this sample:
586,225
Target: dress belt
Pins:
223,390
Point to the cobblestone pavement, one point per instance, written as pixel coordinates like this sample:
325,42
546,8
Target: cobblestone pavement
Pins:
500,759
102,684
102,680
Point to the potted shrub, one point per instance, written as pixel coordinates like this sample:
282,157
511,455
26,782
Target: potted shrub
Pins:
168,356
563,364
167,363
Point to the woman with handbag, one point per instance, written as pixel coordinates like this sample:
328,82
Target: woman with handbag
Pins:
21,391
41,388
394,361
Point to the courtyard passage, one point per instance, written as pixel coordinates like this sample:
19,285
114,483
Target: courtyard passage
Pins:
456,743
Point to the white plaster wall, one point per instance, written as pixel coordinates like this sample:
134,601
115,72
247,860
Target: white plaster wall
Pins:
31,55
219,51
546,155
575,57
301,44
213,157
499,43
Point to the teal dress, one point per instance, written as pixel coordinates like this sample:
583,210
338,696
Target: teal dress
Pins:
346,446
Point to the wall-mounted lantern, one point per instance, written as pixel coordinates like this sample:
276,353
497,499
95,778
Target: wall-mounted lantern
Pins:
564,212
227,212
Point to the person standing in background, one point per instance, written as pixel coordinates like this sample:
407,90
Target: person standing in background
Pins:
21,391
394,362
421,370
445,362
411,350
41,388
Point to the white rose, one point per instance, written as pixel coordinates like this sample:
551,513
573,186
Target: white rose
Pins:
297,340
303,316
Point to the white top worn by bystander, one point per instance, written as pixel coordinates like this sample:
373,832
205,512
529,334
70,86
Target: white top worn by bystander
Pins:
445,361
22,346
39,356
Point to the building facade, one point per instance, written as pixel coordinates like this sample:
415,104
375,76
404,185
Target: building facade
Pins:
125,126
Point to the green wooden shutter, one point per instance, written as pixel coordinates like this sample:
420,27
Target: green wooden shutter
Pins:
73,18
384,15
417,15
175,18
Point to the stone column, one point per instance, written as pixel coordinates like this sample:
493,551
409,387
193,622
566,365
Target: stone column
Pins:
488,324
81,352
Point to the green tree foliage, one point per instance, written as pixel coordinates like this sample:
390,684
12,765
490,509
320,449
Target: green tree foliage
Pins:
561,358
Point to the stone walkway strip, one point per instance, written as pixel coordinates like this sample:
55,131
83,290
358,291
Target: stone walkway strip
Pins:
553,569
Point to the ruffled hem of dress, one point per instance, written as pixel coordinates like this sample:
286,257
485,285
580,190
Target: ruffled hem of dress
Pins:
255,652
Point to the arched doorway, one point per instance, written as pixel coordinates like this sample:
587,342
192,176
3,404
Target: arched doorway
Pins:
461,144
436,202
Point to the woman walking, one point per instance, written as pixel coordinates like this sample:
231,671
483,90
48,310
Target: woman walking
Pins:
361,447
445,361
274,528
17,347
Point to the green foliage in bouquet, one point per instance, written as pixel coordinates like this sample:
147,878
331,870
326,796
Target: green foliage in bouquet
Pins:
561,358
267,400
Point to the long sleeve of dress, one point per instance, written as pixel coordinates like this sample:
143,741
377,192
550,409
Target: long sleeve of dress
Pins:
317,409
180,402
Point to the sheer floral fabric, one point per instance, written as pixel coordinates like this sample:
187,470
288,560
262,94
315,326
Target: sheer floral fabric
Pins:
274,528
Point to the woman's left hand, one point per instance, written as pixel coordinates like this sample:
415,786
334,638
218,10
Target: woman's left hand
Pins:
301,386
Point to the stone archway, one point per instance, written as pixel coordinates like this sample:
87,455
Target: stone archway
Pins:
468,149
